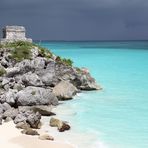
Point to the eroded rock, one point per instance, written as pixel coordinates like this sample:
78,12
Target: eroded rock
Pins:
36,96
46,137
65,90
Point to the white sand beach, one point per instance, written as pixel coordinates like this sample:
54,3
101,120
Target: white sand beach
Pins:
12,137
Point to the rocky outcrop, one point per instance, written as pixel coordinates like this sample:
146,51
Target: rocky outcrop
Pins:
1,119
36,96
44,110
65,90
22,125
10,113
32,79
30,117
9,97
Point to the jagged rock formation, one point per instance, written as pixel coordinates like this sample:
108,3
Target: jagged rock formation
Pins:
32,79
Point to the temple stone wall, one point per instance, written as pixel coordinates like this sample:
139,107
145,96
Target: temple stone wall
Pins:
14,33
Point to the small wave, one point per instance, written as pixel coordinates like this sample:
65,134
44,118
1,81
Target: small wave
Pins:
99,144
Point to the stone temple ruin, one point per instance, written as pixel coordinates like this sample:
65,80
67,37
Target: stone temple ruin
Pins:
14,33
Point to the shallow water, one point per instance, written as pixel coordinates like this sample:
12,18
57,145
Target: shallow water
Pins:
117,116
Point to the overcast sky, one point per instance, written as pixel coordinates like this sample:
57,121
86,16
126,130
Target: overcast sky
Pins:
78,19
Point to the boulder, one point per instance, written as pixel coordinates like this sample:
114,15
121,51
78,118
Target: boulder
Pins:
5,81
56,123
38,63
1,119
4,62
36,96
62,126
8,83
31,79
30,117
10,72
48,78
9,97
46,137
1,109
30,131
6,106
43,110
12,113
87,82
65,90
47,75
25,66
8,119
22,125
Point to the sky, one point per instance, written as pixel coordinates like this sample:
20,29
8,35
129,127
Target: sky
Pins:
78,19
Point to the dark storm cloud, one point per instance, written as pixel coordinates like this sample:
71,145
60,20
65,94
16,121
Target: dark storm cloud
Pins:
78,19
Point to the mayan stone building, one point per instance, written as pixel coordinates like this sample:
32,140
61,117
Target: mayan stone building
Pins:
14,33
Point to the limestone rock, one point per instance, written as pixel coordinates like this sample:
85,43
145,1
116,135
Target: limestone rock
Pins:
35,96
22,125
46,137
43,110
38,63
9,97
62,126
31,79
8,119
30,117
1,109
88,83
65,90
10,72
56,122
6,106
1,119
25,66
30,131
12,113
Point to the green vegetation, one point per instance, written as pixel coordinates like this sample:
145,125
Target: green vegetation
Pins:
19,88
17,44
78,70
65,61
21,50
21,53
2,71
33,93
44,52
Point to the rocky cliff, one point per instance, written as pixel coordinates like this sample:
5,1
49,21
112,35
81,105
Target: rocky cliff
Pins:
33,77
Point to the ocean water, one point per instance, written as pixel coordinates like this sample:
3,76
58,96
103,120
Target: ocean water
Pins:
117,116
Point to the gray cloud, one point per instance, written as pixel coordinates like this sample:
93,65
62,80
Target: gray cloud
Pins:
78,19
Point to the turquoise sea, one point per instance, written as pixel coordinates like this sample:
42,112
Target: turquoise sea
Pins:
117,116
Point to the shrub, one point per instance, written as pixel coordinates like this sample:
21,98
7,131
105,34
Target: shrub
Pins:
68,62
33,93
2,71
44,52
18,44
65,61
21,53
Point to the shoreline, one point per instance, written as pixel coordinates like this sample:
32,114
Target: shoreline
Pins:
12,137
